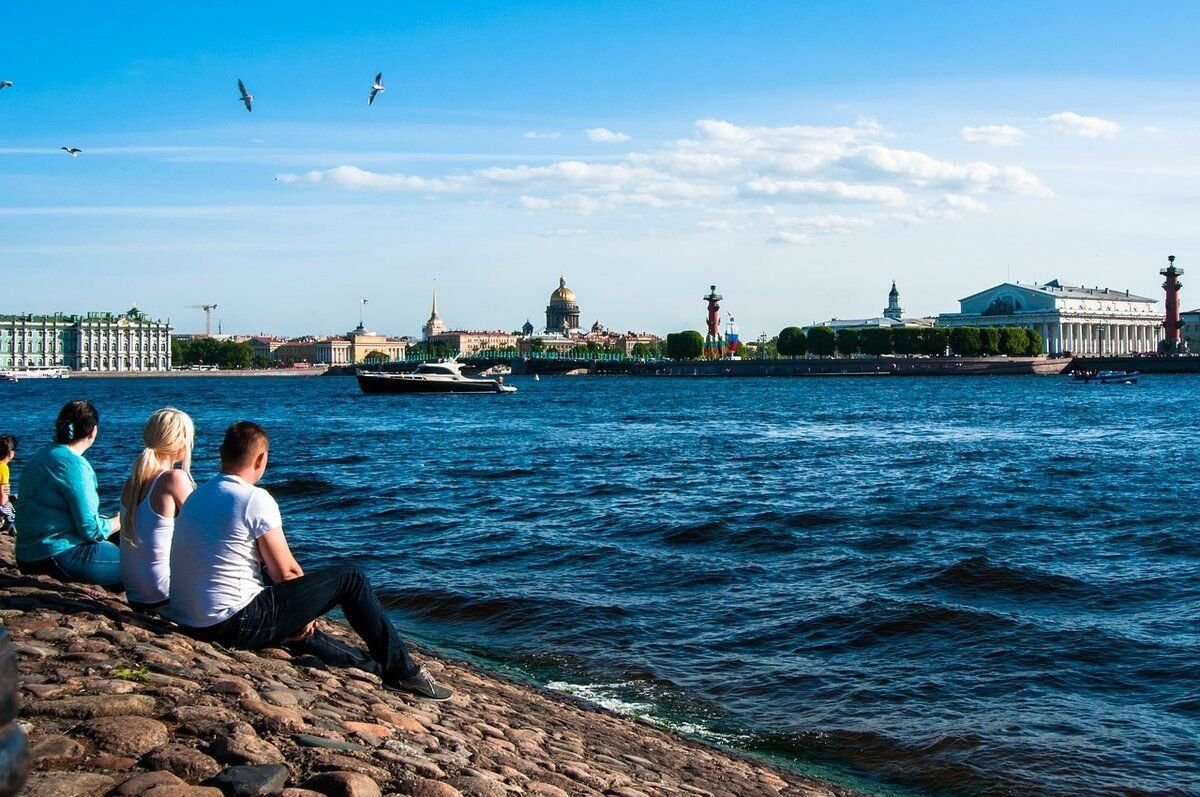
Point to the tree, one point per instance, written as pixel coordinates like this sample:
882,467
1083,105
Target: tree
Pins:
848,341
1013,341
234,355
793,342
907,340
685,345
934,341
537,344
261,362
1033,343
822,341
876,341
965,341
180,352
989,340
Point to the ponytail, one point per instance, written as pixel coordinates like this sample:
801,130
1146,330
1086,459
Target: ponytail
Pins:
169,433
145,468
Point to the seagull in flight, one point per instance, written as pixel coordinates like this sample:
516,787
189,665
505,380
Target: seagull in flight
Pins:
5,84
72,151
246,97
376,88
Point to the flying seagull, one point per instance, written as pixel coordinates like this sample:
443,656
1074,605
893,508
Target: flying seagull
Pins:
5,84
246,97
376,88
72,151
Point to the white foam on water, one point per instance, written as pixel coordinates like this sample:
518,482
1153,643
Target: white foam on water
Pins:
603,695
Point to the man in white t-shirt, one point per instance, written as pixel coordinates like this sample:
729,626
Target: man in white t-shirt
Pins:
227,531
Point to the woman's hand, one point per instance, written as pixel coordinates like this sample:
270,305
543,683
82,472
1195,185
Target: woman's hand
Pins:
115,522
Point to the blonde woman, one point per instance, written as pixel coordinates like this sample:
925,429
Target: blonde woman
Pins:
150,502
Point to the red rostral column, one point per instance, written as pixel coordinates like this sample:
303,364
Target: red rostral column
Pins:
712,343
1171,322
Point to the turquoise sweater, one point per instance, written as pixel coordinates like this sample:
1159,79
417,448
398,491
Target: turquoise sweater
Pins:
59,506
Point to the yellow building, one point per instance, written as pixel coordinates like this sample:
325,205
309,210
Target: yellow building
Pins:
468,342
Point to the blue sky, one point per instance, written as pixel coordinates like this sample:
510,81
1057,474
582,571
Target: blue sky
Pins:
801,156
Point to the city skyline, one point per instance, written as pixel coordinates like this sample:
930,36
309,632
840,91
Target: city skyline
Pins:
797,159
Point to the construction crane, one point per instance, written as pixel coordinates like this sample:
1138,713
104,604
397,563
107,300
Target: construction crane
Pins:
207,308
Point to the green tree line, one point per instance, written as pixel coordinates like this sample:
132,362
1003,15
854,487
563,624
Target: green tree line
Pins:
209,351
822,341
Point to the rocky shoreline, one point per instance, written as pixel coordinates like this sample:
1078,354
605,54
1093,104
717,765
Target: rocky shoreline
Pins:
117,703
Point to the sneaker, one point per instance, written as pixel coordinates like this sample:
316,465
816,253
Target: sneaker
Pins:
422,685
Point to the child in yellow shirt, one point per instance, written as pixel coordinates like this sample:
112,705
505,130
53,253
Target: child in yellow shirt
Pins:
8,450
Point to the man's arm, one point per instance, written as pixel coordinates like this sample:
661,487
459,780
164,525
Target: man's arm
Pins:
281,565
277,556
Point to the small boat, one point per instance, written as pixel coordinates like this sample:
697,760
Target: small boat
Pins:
36,372
441,377
1107,377
537,378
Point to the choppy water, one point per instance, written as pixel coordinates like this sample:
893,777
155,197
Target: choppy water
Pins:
928,586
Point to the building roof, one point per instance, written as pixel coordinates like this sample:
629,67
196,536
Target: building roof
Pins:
563,294
1057,289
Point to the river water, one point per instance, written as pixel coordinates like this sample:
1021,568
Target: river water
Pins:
914,586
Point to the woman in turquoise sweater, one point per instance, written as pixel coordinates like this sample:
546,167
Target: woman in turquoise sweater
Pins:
60,531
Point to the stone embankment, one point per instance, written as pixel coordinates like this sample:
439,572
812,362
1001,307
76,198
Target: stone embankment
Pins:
117,703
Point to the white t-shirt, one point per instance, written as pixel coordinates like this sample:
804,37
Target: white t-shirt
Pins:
216,569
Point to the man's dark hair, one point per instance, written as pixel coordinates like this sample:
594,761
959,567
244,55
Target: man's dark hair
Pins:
75,421
242,441
8,444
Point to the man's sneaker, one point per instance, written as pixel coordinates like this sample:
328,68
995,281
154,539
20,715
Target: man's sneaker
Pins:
422,685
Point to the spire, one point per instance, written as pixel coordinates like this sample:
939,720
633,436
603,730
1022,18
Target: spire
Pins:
562,280
433,313
893,310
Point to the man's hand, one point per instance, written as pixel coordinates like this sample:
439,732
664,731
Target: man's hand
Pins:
305,632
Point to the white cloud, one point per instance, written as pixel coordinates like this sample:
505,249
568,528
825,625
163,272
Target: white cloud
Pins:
835,191
1085,126
354,177
538,135
606,136
785,237
996,135
731,170
563,232
721,225
963,202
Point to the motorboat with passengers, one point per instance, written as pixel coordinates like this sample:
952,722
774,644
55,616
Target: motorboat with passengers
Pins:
434,377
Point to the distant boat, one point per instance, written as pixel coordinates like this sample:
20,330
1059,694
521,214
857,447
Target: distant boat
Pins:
537,378
1107,377
36,372
443,377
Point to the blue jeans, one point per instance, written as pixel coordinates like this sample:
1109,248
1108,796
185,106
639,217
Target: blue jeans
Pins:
88,563
284,609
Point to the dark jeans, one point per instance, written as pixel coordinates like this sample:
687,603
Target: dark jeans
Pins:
283,610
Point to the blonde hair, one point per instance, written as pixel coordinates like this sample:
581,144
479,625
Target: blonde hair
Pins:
168,433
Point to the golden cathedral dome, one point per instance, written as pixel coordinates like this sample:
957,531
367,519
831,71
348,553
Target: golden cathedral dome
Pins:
563,295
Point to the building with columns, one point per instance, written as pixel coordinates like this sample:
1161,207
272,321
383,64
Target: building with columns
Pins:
129,341
1085,321
562,314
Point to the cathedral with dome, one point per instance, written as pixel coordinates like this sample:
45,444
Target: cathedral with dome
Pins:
562,314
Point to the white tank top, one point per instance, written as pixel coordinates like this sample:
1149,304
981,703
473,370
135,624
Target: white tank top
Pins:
146,567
